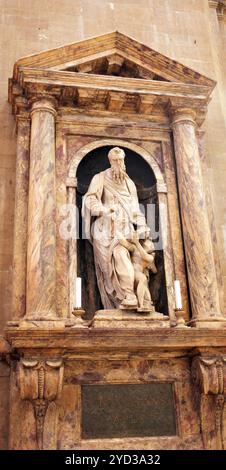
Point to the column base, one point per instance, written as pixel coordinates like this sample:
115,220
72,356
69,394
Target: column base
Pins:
213,321
36,322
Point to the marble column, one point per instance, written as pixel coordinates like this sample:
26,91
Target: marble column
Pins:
41,255
196,230
20,219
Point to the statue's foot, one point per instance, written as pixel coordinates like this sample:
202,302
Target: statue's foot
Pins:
130,302
146,307
148,304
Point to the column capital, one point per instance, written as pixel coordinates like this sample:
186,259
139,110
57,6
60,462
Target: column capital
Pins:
213,3
43,103
220,7
22,120
182,114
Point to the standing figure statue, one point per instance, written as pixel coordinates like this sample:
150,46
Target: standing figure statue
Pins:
117,229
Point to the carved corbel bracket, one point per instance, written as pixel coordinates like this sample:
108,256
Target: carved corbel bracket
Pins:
40,382
209,377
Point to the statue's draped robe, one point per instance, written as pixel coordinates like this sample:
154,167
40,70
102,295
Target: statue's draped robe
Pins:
114,269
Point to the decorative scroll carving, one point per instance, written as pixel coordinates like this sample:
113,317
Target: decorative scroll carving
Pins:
41,383
209,376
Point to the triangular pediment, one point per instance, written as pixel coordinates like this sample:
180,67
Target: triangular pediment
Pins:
113,54
113,64
112,73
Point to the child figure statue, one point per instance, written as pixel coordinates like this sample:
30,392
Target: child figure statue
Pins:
142,257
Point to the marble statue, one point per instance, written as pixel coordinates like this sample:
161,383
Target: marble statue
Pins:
142,257
117,229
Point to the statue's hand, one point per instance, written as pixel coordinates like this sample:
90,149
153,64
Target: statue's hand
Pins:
144,233
135,238
108,211
126,244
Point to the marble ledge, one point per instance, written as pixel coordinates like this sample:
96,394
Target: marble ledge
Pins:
84,340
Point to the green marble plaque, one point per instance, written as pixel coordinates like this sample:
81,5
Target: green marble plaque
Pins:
128,410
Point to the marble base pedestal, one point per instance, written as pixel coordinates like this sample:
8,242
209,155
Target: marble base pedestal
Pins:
129,319
52,367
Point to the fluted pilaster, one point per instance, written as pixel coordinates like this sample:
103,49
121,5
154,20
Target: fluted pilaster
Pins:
20,219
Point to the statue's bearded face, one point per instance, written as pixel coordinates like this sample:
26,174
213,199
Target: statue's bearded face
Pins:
118,165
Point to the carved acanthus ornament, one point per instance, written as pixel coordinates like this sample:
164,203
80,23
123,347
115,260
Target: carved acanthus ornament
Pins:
209,376
41,383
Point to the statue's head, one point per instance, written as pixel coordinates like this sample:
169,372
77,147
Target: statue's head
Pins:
116,158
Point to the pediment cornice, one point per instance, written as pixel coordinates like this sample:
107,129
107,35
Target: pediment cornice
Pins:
112,72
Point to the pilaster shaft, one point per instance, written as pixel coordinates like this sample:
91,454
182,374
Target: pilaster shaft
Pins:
20,219
196,230
41,256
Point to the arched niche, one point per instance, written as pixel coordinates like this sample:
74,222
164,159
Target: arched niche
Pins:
146,174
